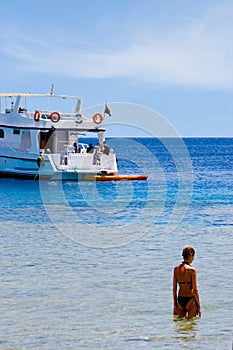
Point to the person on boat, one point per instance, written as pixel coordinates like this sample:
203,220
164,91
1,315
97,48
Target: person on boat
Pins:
40,160
106,149
187,302
75,147
96,155
90,148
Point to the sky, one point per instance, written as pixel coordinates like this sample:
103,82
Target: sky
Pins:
174,57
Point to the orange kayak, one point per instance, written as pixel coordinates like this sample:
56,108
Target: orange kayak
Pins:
114,177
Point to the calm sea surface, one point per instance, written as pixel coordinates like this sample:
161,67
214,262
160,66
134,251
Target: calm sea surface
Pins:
89,265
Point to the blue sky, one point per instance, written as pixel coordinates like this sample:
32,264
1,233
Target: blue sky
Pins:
171,56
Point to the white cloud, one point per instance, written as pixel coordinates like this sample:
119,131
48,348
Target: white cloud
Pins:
198,54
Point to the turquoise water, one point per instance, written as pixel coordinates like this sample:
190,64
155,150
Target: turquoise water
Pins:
89,266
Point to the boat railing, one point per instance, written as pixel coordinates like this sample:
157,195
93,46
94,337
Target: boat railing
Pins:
43,114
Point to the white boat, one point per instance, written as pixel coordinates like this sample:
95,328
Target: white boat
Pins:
40,139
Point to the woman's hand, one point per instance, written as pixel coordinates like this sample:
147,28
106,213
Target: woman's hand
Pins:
198,312
175,310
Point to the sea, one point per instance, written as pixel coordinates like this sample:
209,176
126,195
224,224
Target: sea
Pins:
89,265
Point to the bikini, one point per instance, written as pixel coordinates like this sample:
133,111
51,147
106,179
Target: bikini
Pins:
183,301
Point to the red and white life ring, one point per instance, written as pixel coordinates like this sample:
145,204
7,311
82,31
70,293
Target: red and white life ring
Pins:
57,119
98,118
37,116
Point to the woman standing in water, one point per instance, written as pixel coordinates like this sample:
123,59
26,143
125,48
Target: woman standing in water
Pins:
187,302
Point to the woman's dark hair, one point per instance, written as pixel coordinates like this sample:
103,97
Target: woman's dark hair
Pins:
187,251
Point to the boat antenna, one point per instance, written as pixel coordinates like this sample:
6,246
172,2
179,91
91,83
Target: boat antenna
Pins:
51,90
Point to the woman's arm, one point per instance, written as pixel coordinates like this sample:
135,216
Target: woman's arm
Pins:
195,291
175,293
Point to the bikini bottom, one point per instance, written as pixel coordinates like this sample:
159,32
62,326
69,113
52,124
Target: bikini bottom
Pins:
183,301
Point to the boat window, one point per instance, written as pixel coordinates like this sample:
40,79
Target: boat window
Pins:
1,133
26,142
43,139
16,132
22,110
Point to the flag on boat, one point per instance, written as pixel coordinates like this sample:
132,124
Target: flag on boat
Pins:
107,110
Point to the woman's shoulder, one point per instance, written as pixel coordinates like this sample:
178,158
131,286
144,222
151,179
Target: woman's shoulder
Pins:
191,270
178,267
184,267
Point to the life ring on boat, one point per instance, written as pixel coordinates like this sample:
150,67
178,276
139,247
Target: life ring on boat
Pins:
57,119
98,118
37,116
